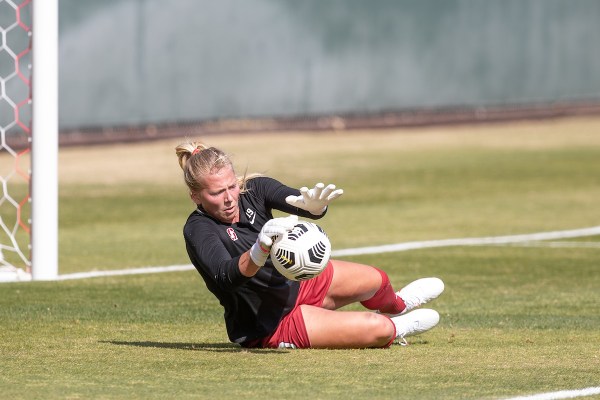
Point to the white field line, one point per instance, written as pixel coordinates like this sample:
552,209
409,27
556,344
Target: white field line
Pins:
581,245
563,394
494,240
130,271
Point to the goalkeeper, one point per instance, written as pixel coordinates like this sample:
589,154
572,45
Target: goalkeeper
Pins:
228,239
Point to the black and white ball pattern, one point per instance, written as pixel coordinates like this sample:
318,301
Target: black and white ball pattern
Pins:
302,253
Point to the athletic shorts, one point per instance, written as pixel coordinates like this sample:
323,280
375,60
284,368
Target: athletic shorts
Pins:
291,331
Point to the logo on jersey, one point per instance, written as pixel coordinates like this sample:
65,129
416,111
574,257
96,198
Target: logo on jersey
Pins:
251,215
232,235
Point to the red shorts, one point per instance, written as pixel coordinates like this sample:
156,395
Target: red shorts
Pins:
291,331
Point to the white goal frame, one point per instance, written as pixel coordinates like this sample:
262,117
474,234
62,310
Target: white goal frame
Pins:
44,144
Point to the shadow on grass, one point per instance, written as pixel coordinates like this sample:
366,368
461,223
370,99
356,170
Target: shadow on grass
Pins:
214,347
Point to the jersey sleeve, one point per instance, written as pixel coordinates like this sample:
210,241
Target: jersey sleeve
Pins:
210,257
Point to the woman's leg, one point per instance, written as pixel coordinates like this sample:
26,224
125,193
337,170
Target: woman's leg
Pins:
315,323
353,282
347,329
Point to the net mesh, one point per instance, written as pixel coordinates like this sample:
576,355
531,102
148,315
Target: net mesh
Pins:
15,139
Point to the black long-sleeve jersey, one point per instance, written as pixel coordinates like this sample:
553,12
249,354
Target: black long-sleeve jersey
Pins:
253,306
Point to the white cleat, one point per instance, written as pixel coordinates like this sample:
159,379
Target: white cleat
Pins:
414,323
419,292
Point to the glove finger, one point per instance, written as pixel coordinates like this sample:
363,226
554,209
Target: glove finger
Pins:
281,225
327,191
267,241
316,192
306,194
290,221
293,200
335,194
274,231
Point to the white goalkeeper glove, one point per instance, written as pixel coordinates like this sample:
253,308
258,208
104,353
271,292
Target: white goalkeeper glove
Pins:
315,200
259,252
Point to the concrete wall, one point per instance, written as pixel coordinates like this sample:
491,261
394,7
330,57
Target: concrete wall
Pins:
138,61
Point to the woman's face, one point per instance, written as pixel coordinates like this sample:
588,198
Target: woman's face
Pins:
220,195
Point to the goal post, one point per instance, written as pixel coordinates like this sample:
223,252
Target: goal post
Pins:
28,140
44,145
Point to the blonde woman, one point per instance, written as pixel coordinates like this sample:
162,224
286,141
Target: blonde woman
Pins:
228,238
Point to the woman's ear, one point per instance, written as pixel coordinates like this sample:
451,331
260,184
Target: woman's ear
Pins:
195,198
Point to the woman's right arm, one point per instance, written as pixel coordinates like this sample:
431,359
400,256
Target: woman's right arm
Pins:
211,258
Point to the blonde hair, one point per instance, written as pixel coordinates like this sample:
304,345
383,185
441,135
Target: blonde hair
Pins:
197,160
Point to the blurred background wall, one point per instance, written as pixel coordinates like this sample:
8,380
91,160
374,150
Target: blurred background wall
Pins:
137,62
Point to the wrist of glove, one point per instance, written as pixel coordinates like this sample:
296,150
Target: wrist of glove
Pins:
259,252
315,200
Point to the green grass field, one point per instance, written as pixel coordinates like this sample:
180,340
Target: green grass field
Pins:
516,319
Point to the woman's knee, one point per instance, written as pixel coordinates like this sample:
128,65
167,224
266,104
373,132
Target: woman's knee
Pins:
381,329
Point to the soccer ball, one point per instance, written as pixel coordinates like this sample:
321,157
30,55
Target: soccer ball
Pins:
301,253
